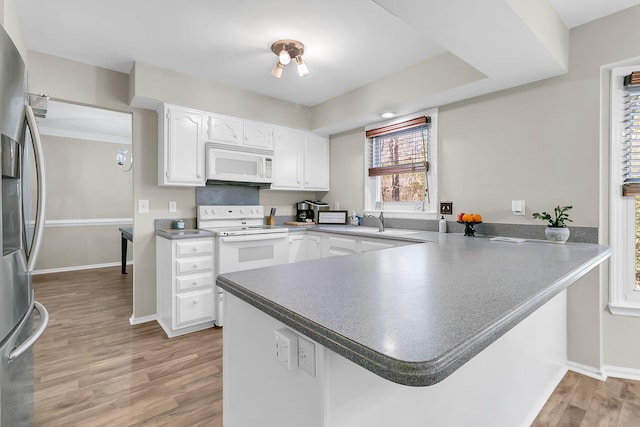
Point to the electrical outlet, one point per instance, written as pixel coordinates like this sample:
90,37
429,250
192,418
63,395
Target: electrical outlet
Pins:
173,206
446,208
307,356
518,207
286,346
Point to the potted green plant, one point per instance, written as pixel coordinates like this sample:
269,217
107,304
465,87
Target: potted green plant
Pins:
557,230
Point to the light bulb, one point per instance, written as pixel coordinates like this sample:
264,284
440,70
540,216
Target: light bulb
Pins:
284,57
302,67
277,70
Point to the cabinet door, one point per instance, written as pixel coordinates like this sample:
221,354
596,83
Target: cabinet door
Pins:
297,248
258,135
194,307
185,148
225,129
288,158
313,243
316,163
338,246
365,245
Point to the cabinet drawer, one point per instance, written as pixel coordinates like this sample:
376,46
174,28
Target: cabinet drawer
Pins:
194,307
194,247
191,265
194,282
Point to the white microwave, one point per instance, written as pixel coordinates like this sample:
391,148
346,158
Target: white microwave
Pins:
233,164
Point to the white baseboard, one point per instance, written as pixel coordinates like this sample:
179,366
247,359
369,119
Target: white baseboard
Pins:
606,371
79,267
589,371
620,372
144,319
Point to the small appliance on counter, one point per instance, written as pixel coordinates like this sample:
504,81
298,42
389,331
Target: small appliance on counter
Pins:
307,210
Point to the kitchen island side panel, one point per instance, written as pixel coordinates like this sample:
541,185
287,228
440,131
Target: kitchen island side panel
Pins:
506,384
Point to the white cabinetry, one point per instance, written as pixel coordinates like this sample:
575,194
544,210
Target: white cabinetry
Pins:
234,131
316,162
301,161
185,284
225,129
338,245
304,246
181,147
341,244
258,135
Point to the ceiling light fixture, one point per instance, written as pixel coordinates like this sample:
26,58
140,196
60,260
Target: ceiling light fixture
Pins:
286,50
387,115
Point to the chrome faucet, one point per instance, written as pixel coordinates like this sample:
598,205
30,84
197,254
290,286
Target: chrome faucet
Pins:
380,220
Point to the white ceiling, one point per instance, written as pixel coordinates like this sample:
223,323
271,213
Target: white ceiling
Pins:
348,43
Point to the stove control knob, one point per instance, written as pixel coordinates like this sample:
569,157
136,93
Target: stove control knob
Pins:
241,211
206,211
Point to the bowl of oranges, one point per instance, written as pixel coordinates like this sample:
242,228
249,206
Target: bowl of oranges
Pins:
469,220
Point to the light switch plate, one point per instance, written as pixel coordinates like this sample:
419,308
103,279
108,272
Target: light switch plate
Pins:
143,206
173,206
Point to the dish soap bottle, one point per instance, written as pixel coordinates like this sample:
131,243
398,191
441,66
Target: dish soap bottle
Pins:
353,219
442,225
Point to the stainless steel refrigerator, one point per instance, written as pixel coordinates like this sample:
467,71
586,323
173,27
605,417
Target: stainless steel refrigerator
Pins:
22,206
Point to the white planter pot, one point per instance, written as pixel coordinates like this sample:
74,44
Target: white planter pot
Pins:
557,234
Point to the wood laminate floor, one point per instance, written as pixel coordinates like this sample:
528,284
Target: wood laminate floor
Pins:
92,368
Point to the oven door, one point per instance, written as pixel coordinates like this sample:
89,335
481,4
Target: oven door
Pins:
244,252
247,251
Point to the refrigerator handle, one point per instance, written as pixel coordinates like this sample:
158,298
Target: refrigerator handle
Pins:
44,321
39,158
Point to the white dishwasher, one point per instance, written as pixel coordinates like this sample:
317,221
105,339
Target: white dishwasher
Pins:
243,242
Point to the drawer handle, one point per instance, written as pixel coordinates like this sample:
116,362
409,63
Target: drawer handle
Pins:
195,301
195,266
195,283
195,249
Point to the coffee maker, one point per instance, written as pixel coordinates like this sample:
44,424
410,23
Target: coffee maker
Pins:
307,210
304,212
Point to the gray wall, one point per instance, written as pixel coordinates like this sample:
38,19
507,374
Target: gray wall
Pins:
84,183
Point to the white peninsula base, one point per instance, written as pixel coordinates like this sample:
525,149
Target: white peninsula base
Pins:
504,385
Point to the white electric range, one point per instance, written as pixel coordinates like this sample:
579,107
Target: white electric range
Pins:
243,242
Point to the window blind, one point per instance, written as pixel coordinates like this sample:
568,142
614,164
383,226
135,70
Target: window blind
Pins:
631,169
399,148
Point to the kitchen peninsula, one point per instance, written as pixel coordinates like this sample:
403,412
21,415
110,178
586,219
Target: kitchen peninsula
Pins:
454,331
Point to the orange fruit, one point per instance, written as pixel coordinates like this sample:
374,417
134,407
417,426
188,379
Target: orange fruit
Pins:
477,218
467,217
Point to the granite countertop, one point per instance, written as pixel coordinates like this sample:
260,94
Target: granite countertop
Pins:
188,233
414,314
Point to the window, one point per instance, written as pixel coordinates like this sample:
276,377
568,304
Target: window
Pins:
401,168
625,191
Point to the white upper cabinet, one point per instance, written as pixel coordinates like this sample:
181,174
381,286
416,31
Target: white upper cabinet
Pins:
300,158
225,129
301,161
258,135
181,151
316,162
288,159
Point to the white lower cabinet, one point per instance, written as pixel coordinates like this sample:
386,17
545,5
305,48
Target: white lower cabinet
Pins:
185,284
304,246
340,244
